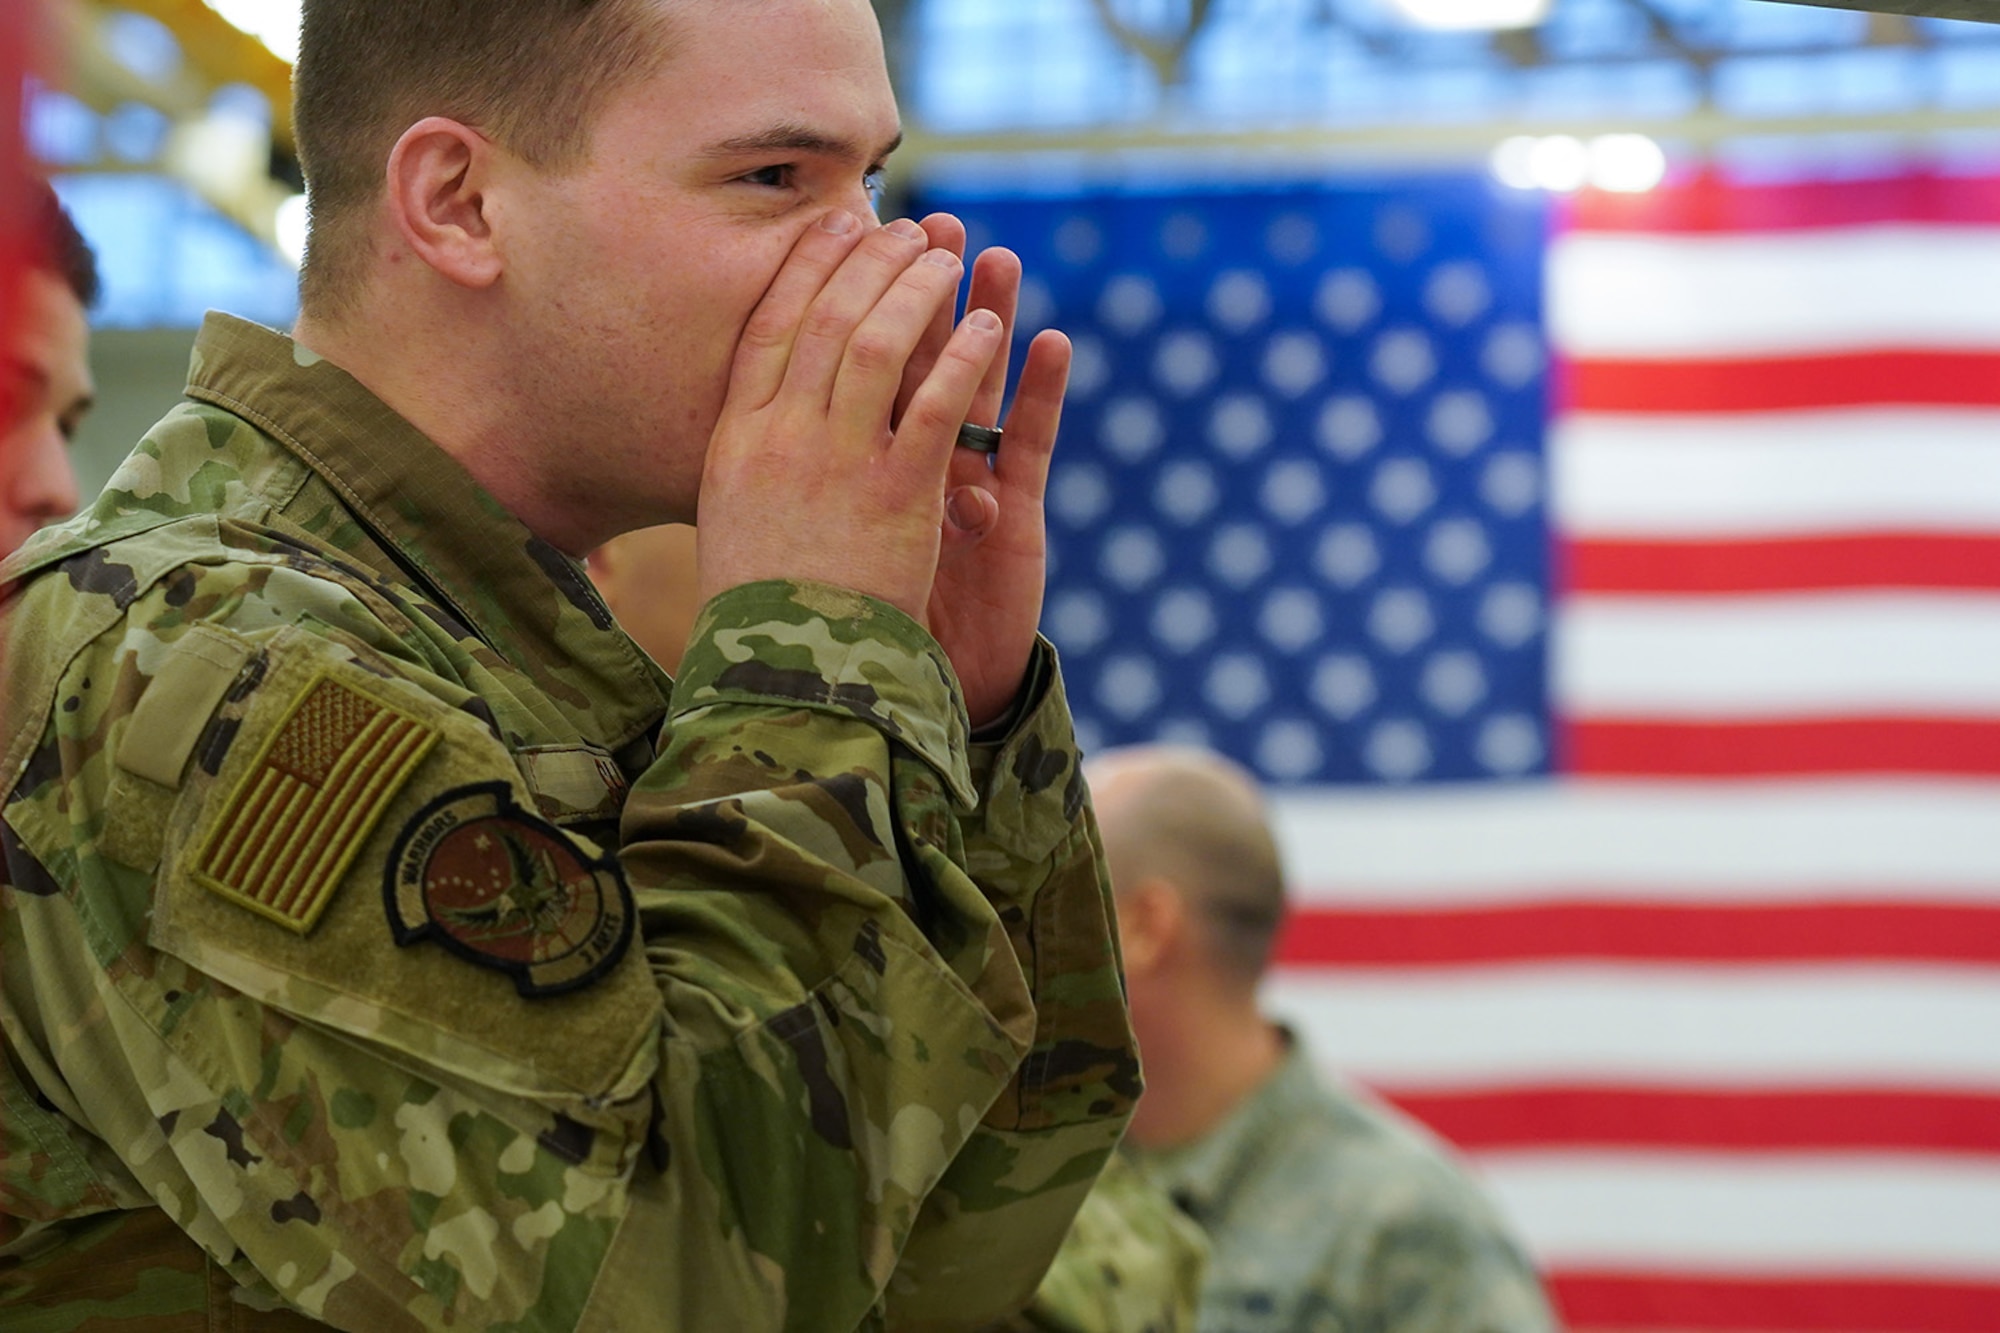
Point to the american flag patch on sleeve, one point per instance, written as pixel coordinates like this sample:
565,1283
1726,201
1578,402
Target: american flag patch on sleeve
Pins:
295,821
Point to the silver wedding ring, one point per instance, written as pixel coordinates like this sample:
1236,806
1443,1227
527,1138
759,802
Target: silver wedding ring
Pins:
985,439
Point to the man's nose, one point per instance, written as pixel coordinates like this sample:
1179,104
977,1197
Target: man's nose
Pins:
861,203
40,483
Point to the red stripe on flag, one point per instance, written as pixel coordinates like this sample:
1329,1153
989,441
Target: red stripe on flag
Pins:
1728,1304
1707,203
1876,560
1642,932
1764,384
1709,1120
1610,747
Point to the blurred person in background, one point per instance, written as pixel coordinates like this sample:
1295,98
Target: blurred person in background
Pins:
47,387
385,941
1325,1209
647,579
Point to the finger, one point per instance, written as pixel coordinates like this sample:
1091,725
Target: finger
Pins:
970,512
844,302
946,233
928,433
764,349
880,348
1023,462
996,286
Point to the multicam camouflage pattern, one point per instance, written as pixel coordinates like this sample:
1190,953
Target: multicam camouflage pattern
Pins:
1132,1263
1328,1212
858,1068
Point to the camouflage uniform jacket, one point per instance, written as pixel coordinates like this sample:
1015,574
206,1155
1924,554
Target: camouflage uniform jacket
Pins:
363,923
1328,1212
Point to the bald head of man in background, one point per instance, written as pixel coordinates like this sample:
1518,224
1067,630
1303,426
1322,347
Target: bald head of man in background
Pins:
1324,1207
1201,892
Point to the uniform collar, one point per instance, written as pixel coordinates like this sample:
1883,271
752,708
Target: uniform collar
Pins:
516,593
1200,1176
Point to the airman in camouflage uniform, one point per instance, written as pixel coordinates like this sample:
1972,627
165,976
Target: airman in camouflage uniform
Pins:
1325,1211
1331,1212
386,943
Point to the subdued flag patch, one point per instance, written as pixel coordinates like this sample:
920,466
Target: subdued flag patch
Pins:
294,822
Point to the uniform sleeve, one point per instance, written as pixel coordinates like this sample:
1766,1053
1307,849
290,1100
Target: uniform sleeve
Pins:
996,1220
411,1058
908,925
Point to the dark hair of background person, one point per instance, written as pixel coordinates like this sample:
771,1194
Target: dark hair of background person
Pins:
530,73
60,247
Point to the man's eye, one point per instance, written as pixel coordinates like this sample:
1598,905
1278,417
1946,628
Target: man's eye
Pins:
876,182
777,177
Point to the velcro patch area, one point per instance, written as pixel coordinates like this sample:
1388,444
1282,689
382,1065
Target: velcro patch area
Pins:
296,819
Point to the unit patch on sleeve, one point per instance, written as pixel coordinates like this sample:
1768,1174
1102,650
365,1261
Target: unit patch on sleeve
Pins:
507,890
294,822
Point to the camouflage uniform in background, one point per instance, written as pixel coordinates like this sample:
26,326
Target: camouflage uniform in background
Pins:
1132,1263
1328,1212
368,947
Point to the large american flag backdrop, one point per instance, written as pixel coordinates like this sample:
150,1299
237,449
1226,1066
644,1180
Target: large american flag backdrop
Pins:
1610,589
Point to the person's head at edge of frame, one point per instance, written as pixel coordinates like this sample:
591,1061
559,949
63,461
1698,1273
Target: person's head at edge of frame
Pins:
539,227
47,387
1200,890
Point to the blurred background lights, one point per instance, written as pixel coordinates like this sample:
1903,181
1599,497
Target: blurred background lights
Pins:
1626,163
143,45
1474,15
1562,163
290,229
1558,162
272,22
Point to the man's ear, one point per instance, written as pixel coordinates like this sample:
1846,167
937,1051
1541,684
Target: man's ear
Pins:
1152,921
438,174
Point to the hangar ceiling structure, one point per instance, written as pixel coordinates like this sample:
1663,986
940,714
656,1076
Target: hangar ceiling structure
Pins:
174,88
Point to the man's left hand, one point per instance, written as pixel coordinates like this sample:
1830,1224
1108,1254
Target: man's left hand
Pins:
993,563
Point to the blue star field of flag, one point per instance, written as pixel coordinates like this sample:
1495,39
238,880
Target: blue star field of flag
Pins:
1297,511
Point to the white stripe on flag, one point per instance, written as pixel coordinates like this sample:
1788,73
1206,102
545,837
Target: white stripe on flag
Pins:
1770,293
1774,1027
1849,1214
1802,655
1755,474
1651,842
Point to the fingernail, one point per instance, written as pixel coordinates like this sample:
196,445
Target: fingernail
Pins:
964,508
839,222
906,229
983,319
942,258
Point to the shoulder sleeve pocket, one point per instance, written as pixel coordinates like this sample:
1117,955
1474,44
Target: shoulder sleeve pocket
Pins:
366,859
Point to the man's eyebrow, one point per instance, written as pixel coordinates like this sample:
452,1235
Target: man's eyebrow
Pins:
796,139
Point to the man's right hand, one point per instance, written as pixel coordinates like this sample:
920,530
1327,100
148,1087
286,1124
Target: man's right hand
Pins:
804,477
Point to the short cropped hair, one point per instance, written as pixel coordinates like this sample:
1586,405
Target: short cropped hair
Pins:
1198,820
60,248
531,73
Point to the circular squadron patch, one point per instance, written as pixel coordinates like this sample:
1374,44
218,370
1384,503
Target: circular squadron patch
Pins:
507,890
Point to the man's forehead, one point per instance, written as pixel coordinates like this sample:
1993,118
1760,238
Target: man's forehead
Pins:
52,331
804,76
799,137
